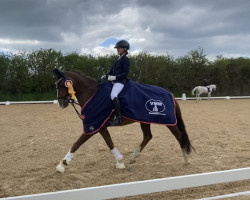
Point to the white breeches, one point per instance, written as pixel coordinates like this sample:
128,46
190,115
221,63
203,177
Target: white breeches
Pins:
117,88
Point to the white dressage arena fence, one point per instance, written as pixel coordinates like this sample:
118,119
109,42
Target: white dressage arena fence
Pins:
144,187
7,103
205,98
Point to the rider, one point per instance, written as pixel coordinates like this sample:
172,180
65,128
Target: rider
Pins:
118,76
206,85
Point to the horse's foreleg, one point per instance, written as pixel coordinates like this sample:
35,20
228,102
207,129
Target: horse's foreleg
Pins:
209,95
69,156
118,156
147,136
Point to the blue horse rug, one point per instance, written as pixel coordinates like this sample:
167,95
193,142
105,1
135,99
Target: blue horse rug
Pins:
139,102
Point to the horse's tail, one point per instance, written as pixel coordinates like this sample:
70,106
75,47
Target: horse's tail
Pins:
185,143
194,90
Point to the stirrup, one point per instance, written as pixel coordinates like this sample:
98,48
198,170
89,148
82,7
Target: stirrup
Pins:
114,122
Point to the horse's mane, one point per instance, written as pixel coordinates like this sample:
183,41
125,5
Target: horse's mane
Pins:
82,75
213,85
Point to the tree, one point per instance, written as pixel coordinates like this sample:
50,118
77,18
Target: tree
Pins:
4,66
41,65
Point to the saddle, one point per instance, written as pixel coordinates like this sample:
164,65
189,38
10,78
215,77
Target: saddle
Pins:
139,102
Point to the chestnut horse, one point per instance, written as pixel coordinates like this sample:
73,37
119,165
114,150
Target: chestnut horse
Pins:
84,87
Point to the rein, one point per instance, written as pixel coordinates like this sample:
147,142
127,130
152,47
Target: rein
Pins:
73,104
71,101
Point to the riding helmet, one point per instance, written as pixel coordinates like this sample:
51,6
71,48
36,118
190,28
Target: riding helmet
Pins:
122,44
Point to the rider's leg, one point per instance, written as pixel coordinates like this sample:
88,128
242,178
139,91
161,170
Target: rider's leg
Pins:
117,88
117,120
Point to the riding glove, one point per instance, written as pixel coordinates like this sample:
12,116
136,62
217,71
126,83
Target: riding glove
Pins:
111,78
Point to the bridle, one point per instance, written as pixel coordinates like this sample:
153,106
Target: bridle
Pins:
67,97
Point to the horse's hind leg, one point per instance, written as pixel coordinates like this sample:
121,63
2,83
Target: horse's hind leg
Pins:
147,136
68,157
185,145
198,96
118,156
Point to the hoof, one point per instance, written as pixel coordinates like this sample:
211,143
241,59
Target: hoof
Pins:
120,165
61,167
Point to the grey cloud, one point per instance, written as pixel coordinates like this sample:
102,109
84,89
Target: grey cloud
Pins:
160,25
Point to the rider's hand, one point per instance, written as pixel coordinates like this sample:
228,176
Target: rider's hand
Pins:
111,78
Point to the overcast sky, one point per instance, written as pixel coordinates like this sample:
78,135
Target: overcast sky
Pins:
176,27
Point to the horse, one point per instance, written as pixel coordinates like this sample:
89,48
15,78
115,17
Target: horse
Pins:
83,88
198,90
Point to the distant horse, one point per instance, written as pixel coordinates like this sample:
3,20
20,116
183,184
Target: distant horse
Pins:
84,88
198,90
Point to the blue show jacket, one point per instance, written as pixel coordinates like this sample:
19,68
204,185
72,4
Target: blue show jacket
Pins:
120,69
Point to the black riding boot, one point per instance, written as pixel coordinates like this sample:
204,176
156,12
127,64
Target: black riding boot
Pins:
117,119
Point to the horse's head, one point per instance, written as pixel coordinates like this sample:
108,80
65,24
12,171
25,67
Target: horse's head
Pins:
64,87
213,87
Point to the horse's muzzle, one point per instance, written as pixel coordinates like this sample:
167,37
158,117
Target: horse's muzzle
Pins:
63,102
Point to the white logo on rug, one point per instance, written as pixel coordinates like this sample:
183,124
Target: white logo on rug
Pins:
91,128
155,107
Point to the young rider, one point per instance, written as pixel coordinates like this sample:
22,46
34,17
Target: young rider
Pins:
206,85
118,76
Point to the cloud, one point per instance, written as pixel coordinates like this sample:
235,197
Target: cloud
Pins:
174,26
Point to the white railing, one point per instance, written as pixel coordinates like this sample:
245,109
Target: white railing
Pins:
7,103
143,187
225,97
178,98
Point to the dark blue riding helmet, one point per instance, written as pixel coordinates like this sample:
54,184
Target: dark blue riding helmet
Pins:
122,44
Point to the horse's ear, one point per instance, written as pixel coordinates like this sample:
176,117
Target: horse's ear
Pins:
58,74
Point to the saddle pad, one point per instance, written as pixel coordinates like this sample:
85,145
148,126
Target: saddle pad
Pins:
139,102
